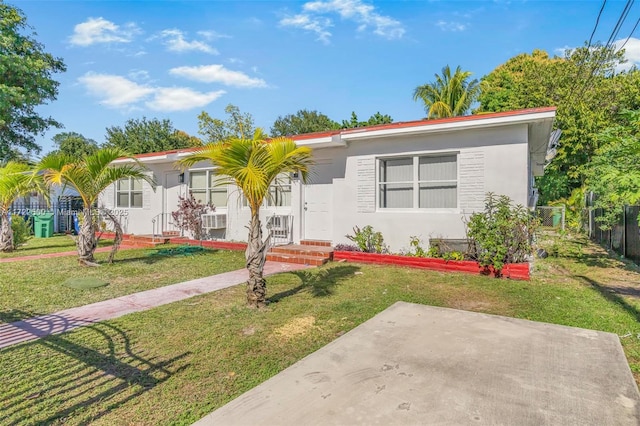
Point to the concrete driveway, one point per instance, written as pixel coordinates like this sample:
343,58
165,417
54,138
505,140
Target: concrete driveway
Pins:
415,364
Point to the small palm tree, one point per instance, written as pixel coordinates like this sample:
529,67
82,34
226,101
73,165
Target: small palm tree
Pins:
16,181
89,176
252,165
448,96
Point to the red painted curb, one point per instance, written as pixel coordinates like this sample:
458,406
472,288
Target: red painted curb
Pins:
518,271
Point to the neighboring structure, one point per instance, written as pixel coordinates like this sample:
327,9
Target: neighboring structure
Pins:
418,178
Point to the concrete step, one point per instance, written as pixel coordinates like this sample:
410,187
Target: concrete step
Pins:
298,259
317,243
300,250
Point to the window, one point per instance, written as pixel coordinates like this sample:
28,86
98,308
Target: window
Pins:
205,188
280,192
129,193
426,182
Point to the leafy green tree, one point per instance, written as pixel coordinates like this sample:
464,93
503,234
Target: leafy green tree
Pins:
237,125
74,144
142,136
252,165
26,82
613,174
449,95
89,176
16,181
587,92
303,121
374,120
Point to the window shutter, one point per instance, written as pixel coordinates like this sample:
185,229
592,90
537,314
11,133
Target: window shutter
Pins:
147,190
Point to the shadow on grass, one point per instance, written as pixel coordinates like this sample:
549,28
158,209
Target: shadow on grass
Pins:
155,255
87,373
319,282
13,315
611,294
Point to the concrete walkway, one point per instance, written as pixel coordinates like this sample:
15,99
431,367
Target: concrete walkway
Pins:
421,365
60,322
58,254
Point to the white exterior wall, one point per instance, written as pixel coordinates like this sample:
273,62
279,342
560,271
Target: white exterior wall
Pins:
502,153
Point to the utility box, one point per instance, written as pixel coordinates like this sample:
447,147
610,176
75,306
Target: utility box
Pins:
43,225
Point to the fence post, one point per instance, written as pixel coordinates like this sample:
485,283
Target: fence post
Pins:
624,231
563,217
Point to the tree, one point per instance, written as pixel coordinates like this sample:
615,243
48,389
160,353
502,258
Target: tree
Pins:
89,176
74,144
237,125
586,89
16,181
25,82
303,121
449,95
374,120
613,174
142,136
252,165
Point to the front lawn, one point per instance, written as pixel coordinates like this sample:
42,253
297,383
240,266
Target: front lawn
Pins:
33,287
176,363
55,244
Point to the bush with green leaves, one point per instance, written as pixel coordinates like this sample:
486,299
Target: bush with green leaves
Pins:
502,233
21,230
368,240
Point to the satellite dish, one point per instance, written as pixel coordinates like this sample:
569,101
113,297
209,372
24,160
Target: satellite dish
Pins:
554,142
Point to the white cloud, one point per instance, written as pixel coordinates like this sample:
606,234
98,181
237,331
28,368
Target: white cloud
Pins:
118,92
113,90
99,30
357,11
181,99
452,26
136,74
212,35
218,74
175,41
631,53
313,24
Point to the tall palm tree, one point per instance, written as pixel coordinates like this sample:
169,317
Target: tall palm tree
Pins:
449,95
252,165
15,181
89,176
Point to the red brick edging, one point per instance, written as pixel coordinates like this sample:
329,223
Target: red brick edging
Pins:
518,271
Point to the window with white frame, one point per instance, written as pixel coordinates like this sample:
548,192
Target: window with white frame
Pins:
205,187
279,193
129,193
419,181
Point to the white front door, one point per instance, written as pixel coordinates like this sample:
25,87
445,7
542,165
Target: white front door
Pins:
172,190
317,212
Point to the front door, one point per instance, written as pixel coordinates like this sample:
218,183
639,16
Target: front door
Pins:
317,212
172,190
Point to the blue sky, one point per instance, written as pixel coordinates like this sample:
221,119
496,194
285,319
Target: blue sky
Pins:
172,59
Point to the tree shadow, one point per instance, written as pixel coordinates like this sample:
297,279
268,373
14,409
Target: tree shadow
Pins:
87,374
155,255
611,294
13,315
319,282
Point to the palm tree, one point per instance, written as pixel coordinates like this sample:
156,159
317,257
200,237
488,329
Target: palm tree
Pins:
16,181
89,176
448,96
252,165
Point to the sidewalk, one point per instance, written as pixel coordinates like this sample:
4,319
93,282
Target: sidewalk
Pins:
69,319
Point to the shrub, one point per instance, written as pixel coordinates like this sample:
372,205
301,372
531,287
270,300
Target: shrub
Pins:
502,233
188,217
21,230
347,247
368,240
416,249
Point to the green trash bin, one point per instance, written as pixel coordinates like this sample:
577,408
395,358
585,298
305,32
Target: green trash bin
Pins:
556,219
43,225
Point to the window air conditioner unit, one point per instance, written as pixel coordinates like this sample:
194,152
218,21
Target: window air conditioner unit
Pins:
214,221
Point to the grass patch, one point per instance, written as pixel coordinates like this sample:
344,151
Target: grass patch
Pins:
176,363
84,283
33,287
55,244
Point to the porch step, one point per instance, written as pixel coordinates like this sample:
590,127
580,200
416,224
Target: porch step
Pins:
316,243
301,254
145,240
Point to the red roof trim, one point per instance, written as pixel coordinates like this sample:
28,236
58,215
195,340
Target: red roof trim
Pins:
399,125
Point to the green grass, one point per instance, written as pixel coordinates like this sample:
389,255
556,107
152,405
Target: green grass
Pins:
176,363
33,287
55,244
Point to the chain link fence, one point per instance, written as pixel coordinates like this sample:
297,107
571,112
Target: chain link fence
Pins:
551,217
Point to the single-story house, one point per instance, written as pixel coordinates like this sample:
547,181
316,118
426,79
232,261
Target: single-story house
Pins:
419,178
